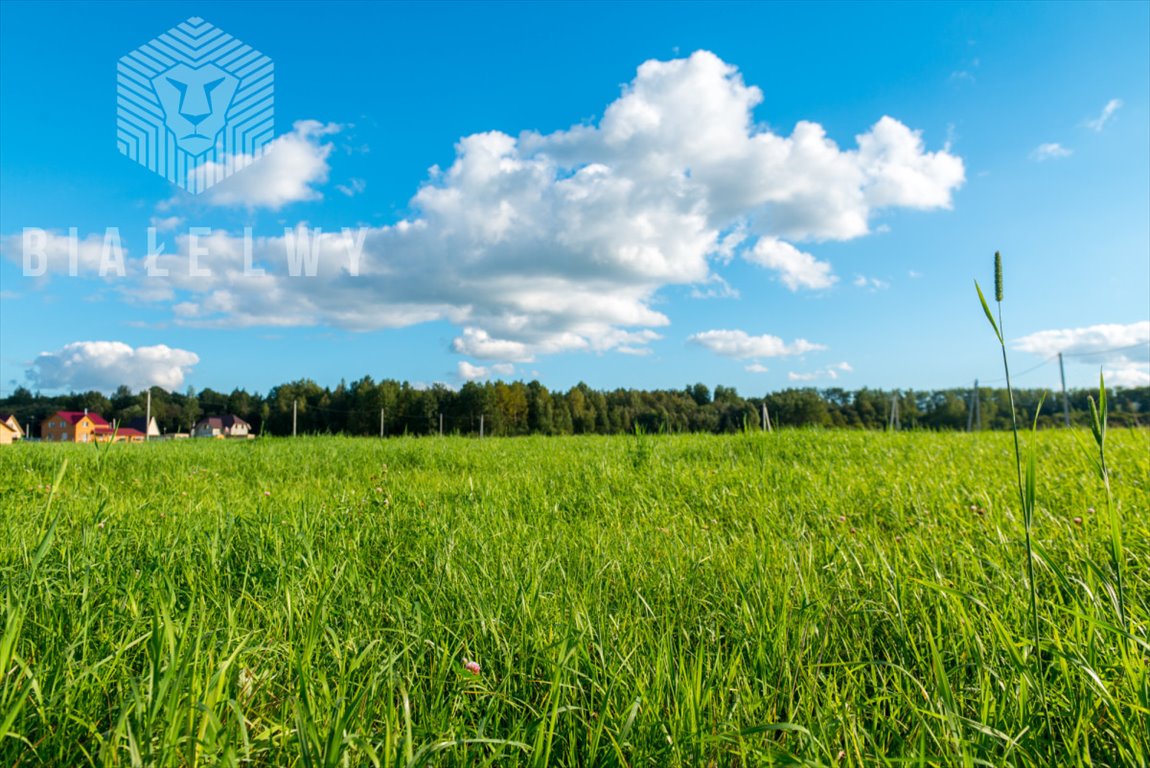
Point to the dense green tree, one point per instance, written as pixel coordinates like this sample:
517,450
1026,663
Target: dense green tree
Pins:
515,408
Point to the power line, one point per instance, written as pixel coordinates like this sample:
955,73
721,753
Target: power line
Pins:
1052,358
1032,369
1092,353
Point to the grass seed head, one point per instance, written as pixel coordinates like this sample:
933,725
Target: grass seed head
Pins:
997,276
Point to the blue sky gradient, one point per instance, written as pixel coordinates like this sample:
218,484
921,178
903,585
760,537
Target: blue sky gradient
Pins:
1046,106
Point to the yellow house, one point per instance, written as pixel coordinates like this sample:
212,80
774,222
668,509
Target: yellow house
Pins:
72,427
10,430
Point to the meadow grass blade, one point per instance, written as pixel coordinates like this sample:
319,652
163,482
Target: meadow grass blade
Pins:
1113,515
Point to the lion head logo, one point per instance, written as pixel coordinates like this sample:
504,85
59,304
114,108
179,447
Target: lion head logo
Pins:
195,105
195,101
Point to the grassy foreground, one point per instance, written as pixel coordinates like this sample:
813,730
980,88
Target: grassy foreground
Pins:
801,597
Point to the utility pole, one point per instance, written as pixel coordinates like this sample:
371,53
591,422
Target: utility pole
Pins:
977,410
382,416
894,424
766,417
481,426
294,411
1065,397
441,425
971,406
148,415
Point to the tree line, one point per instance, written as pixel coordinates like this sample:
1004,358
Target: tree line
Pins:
367,407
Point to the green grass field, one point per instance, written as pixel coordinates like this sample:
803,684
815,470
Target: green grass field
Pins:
820,598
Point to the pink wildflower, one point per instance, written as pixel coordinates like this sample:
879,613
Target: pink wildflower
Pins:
471,665
1078,521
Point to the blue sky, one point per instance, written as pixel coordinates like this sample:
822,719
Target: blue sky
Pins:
757,195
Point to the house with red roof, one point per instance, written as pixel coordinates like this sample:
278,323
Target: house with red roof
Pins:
84,427
72,427
114,434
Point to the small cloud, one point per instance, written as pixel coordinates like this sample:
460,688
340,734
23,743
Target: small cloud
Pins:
965,74
166,223
830,372
469,372
714,287
1098,123
353,187
1050,151
740,345
797,269
757,368
476,342
914,275
872,283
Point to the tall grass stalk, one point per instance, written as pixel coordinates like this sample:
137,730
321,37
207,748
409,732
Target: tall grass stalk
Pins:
1098,427
1026,491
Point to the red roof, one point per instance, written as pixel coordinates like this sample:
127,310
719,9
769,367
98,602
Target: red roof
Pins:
122,431
73,417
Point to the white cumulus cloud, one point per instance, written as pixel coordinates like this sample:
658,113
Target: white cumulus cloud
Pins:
1121,349
105,365
291,169
1091,340
543,243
